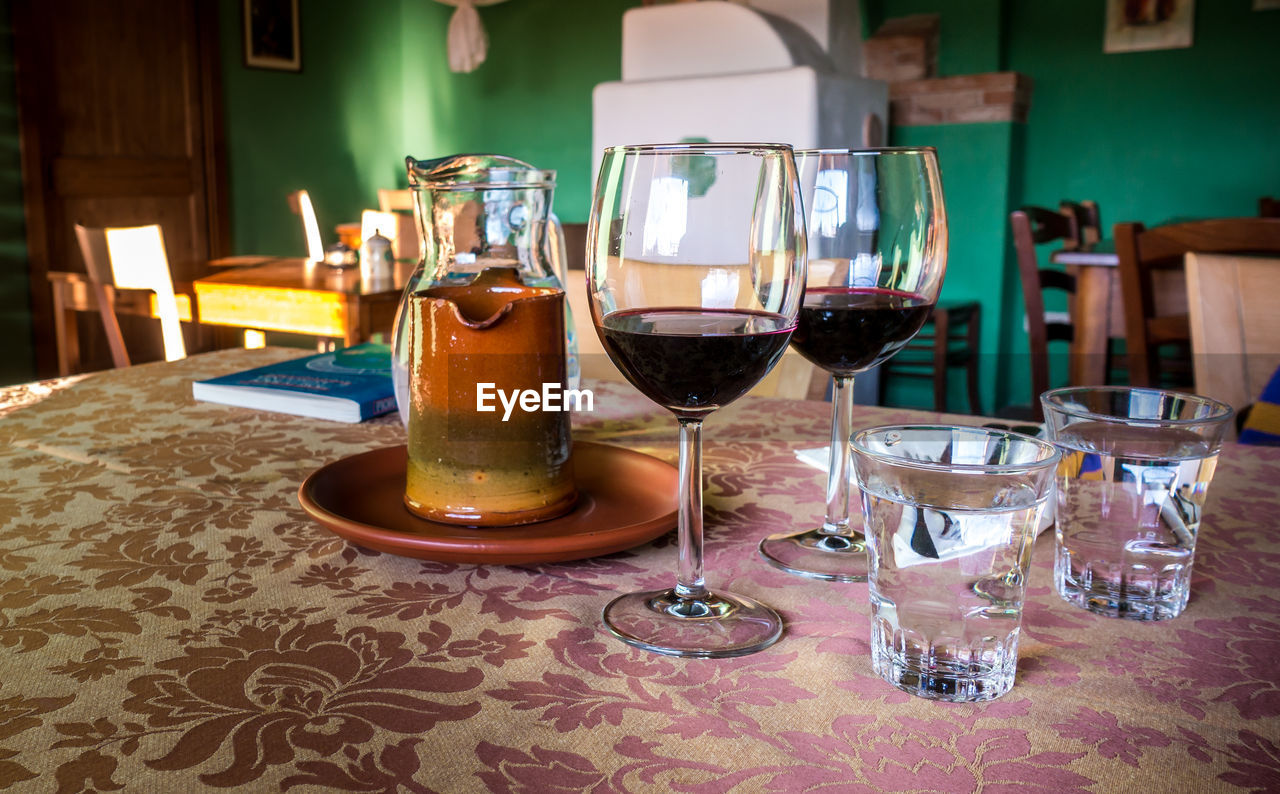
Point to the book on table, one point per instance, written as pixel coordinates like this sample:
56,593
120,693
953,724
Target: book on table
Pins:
348,385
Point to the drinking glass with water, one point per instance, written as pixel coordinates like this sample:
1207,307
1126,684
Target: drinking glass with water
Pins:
951,514
1135,471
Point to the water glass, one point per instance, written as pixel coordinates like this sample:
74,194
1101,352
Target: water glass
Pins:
950,516
1135,470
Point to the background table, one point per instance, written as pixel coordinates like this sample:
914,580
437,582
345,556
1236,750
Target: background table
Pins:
172,621
299,297
1097,308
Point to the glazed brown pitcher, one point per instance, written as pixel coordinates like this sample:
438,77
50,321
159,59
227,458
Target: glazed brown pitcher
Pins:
483,449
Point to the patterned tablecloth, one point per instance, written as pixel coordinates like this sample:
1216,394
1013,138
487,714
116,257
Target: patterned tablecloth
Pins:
170,620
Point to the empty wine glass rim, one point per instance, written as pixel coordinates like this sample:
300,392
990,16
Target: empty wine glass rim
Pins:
700,148
1046,453
1056,398
873,150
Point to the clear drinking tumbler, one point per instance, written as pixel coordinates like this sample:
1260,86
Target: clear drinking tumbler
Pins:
1135,470
950,513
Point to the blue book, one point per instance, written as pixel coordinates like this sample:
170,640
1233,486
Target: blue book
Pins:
349,385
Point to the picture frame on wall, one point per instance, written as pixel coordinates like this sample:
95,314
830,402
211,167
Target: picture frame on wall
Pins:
1135,25
271,35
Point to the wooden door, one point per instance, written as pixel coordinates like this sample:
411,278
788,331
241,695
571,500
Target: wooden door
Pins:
120,117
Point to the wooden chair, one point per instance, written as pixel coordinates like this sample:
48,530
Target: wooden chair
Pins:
1234,312
1148,255
398,206
390,200
1076,224
131,258
1031,227
1087,218
300,203
948,340
1268,207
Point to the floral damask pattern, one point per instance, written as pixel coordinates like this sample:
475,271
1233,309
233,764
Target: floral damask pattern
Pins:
171,620
269,690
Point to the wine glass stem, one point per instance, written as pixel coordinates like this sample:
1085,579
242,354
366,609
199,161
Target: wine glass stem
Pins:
689,582
837,520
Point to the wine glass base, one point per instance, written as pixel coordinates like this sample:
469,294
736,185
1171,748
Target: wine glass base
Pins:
818,555
715,626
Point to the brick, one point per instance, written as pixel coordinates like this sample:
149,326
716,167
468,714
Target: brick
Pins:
906,114
904,48
992,81
965,99
980,113
894,59
945,100
920,25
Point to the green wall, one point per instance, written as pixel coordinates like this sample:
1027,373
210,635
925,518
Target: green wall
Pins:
335,128
982,172
531,98
979,178
1151,136
376,86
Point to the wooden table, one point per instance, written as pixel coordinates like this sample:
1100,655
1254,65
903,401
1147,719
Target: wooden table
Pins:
297,296
171,620
1097,310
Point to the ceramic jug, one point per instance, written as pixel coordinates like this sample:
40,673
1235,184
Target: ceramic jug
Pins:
478,456
476,211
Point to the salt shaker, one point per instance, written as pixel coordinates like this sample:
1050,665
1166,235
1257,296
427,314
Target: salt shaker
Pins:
376,262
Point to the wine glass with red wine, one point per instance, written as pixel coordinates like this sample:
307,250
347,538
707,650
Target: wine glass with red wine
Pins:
695,272
877,232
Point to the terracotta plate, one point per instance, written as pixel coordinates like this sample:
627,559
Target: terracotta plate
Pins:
625,498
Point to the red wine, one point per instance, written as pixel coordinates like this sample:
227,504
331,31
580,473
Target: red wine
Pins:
850,329
693,361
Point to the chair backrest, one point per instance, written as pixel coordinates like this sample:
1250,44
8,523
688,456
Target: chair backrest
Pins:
1144,252
383,223
300,203
1268,207
575,243
1234,310
131,258
1088,221
1032,226
395,200
397,226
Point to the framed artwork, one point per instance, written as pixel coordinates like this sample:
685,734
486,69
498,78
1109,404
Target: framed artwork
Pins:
1134,25
271,38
